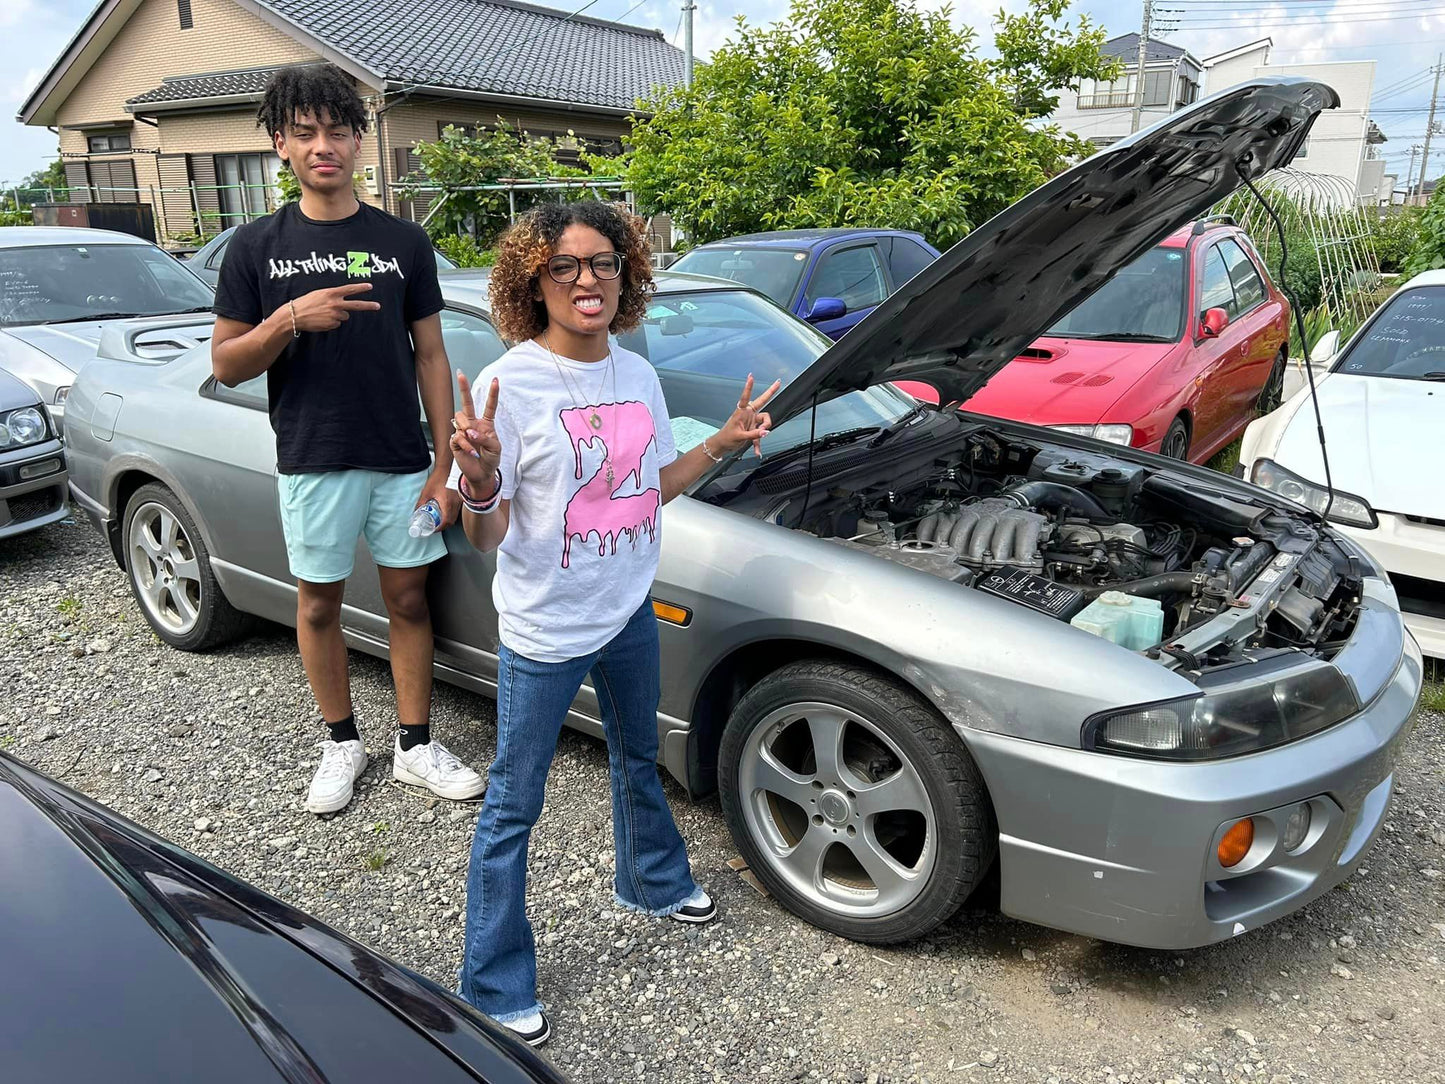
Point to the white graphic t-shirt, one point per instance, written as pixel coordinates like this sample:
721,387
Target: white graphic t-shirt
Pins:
582,445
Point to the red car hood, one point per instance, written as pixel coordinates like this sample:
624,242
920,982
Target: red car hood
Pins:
1067,381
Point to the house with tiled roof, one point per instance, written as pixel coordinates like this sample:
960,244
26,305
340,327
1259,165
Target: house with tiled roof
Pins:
155,100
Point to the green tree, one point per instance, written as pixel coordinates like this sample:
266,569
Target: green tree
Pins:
864,112
465,158
1429,251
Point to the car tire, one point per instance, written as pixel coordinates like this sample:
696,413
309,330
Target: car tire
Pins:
170,574
1272,394
880,851
1175,444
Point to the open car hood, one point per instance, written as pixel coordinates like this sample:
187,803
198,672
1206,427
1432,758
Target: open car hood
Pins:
962,319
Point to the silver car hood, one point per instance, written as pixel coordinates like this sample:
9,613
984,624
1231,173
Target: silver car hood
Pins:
15,393
965,317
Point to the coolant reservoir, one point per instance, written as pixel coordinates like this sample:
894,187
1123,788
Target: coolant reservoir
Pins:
1127,620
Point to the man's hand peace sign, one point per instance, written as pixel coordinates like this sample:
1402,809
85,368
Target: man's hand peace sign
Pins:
474,442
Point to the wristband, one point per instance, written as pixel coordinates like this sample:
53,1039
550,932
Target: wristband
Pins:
295,331
708,452
486,505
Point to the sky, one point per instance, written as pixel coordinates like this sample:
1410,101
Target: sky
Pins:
1400,35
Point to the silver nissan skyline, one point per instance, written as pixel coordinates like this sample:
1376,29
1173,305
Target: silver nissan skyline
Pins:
867,634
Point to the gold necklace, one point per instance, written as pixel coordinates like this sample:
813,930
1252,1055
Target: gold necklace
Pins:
593,419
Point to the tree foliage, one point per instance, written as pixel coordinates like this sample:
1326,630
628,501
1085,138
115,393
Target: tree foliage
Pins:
1429,251
1395,234
864,112
463,158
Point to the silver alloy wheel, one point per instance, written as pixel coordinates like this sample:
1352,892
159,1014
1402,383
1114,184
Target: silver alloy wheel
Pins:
817,824
163,564
1177,446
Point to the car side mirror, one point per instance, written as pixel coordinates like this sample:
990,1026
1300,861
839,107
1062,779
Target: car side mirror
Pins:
1326,348
826,308
1212,323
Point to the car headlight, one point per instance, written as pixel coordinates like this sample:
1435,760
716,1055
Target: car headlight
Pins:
26,426
1112,434
62,394
1344,508
1229,722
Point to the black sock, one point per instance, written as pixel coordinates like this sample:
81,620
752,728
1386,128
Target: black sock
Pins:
344,730
415,735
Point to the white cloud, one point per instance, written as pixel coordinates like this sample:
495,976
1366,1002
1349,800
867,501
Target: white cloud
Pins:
18,92
15,12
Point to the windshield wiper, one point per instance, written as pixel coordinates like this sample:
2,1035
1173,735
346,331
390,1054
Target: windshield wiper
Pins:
1124,337
901,424
831,440
95,316
1434,376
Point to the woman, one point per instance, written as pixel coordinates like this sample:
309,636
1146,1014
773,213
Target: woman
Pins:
564,458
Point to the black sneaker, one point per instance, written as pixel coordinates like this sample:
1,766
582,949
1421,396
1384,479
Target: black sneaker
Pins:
697,909
533,1030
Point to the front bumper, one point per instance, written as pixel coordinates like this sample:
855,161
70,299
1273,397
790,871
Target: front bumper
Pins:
32,488
1123,849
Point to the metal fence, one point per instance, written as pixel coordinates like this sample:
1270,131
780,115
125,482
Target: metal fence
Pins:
206,206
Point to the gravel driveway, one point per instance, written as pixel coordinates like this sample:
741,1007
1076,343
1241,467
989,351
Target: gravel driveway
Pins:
215,752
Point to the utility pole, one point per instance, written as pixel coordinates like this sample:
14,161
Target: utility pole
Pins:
687,10
1430,124
1143,60
1410,173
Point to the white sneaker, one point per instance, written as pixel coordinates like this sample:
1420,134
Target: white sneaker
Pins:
697,908
431,765
534,1030
342,763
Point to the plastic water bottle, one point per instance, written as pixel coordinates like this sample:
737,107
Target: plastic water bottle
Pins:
425,520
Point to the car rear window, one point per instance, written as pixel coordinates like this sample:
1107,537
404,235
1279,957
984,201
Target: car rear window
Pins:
772,272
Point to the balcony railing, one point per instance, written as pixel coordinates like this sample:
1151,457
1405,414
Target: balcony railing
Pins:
1118,99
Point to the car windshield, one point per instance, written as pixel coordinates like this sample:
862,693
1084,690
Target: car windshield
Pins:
772,272
704,345
47,284
1405,341
1143,301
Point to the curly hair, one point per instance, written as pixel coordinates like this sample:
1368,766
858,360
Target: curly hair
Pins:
314,89
525,248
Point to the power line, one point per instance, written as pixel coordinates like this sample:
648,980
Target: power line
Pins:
1293,20
1421,8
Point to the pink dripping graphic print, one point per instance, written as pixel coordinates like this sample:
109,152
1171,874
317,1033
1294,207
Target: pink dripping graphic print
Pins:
596,508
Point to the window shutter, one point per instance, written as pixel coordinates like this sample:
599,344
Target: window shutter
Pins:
183,9
77,178
406,163
203,172
177,214
114,182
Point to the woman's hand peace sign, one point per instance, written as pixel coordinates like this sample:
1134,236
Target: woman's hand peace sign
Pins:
474,442
749,422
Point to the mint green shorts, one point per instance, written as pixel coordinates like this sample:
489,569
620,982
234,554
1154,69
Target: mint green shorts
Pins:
322,515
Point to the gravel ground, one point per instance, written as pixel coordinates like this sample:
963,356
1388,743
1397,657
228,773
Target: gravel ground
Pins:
215,752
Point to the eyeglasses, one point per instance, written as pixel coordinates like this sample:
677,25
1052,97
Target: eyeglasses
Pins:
568,269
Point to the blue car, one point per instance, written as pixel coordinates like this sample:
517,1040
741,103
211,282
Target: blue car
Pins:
830,278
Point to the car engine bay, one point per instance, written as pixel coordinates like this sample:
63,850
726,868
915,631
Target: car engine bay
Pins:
1055,528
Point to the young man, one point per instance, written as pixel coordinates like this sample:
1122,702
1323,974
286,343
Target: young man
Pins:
338,304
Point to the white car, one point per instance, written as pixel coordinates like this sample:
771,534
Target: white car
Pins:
1382,402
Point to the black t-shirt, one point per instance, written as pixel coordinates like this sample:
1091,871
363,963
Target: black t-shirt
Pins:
343,399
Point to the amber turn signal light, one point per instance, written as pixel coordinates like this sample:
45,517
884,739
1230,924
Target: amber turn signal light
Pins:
1236,842
674,615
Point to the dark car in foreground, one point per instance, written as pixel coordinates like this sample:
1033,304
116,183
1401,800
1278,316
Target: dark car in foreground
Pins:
831,278
32,461
124,958
868,635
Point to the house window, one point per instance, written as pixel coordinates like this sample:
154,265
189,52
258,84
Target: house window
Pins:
246,186
107,142
1188,93
1156,88
183,9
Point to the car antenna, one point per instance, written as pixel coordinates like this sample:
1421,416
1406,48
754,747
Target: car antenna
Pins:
1303,339
808,480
